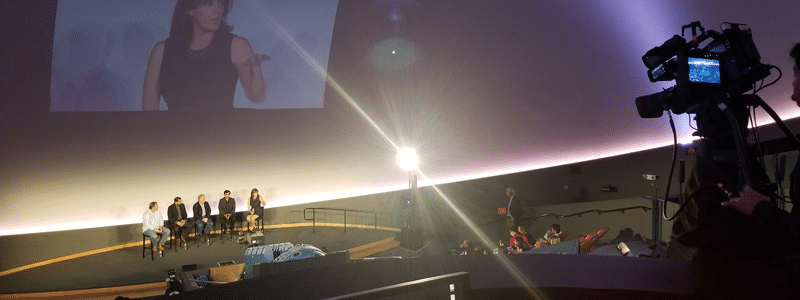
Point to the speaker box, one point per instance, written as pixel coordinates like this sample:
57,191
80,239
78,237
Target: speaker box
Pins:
255,238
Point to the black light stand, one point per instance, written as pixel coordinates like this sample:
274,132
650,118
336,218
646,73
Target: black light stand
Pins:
656,212
411,235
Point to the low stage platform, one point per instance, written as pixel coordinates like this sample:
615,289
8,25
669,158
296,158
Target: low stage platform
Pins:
604,274
126,267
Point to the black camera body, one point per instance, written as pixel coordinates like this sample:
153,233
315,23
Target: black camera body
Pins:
712,66
174,285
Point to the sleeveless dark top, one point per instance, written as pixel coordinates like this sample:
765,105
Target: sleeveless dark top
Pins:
255,204
198,79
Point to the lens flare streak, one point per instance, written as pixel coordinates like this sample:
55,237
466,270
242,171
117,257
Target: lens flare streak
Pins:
270,21
267,18
284,34
521,278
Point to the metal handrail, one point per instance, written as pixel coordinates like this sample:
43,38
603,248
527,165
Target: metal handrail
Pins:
598,211
558,216
314,216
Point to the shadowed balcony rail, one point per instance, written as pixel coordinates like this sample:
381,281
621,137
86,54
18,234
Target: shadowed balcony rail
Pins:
598,211
314,210
579,214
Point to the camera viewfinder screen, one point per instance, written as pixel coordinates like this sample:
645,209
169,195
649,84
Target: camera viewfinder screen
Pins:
703,70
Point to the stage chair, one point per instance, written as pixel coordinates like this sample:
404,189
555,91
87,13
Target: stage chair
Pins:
145,247
197,233
260,220
236,218
172,239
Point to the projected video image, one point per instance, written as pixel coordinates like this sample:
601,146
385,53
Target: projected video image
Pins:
704,70
118,55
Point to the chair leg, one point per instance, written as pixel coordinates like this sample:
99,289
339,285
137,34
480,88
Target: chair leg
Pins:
172,233
144,247
184,236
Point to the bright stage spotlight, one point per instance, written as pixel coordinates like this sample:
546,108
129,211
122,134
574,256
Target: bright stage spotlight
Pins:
407,159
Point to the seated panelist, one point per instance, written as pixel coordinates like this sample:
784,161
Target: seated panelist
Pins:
227,209
178,219
153,225
202,215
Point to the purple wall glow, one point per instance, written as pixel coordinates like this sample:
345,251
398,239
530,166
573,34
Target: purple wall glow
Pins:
478,88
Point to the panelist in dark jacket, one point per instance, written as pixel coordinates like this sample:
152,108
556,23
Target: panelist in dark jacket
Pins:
202,215
227,211
178,220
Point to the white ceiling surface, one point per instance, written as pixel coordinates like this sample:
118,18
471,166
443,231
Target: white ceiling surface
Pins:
575,102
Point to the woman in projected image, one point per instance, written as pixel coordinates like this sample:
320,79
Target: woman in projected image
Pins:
198,65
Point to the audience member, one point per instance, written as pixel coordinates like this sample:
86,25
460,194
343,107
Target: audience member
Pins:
551,237
501,248
202,216
513,209
178,220
513,232
465,248
153,225
524,232
554,235
520,245
227,209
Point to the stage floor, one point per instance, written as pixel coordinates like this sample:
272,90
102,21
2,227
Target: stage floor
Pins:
127,267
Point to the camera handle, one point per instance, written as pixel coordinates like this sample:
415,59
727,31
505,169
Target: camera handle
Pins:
694,26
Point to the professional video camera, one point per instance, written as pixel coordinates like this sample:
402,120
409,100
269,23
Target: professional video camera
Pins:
712,71
712,66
